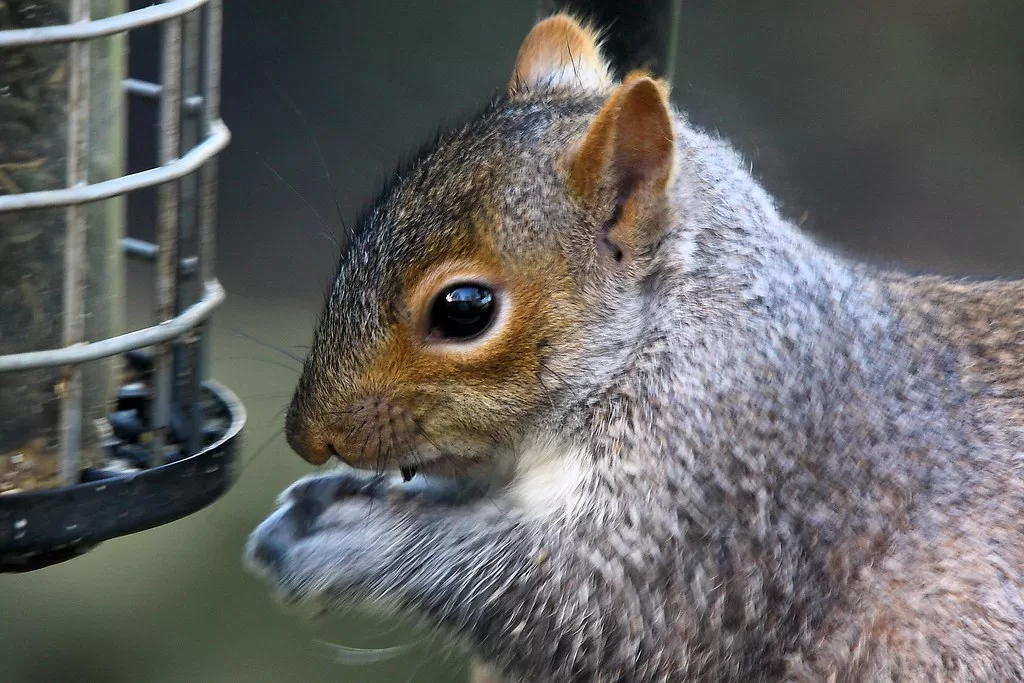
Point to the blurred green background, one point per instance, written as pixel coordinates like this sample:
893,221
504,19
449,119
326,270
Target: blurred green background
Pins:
893,129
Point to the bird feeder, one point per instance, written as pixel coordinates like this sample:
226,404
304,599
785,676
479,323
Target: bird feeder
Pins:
105,431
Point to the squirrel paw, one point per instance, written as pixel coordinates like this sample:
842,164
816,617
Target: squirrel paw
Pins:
336,537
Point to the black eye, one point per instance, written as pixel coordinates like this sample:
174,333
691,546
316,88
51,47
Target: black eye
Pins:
462,311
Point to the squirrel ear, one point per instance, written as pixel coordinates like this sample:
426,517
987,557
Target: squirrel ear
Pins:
624,165
559,53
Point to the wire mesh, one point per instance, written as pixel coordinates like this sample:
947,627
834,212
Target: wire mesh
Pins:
190,135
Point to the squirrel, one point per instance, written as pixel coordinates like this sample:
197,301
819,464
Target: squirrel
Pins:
603,414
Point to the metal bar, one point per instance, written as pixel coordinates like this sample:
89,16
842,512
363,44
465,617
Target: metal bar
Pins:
671,53
212,37
211,99
192,104
75,254
188,163
87,30
147,251
191,129
186,380
213,296
167,229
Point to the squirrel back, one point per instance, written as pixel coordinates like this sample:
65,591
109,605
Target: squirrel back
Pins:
983,321
707,447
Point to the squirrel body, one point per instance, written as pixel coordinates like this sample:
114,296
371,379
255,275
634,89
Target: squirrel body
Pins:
690,443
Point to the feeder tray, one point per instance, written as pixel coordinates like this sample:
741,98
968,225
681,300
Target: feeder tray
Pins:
99,439
41,528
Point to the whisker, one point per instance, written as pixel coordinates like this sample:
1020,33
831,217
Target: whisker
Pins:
319,150
540,378
263,446
262,400
266,345
366,443
415,673
279,413
268,361
408,443
265,394
362,425
323,223
340,412
572,61
441,452
245,467
380,464
356,656
556,374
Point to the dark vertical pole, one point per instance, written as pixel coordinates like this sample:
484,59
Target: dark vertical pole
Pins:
639,34
76,256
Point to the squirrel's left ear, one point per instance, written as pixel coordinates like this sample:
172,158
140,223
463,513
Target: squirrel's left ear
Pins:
624,166
560,52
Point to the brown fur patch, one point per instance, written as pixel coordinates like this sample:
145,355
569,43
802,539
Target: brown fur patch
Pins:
444,383
557,45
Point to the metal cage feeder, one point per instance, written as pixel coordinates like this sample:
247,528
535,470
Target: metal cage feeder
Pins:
105,433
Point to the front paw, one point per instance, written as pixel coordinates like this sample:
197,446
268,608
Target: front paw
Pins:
329,537
345,537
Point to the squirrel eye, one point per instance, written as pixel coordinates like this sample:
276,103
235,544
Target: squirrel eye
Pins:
462,311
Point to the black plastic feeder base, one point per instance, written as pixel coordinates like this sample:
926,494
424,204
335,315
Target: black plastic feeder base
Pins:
42,528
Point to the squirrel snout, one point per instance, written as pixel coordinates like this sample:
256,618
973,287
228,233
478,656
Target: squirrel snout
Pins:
306,436
367,433
302,439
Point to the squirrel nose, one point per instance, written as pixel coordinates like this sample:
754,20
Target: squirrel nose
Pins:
313,451
357,436
311,444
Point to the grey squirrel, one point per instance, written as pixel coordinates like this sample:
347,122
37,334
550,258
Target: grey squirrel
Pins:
607,416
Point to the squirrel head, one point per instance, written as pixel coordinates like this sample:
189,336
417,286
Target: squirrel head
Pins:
476,287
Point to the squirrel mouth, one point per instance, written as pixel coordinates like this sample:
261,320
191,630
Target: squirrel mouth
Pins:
434,476
436,480
438,465
448,490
